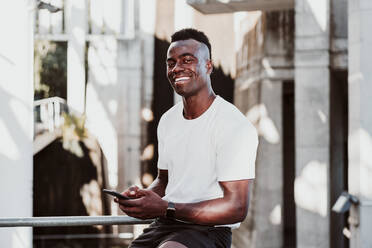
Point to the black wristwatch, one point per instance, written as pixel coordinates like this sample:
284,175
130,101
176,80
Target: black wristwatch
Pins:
171,210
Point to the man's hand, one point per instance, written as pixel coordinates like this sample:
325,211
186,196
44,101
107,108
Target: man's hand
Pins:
145,205
131,192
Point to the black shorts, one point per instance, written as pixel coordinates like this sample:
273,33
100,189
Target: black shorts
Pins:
190,235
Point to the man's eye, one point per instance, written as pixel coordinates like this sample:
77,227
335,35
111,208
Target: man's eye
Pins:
187,61
170,65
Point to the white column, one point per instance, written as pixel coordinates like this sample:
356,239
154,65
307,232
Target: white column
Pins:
269,169
183,18
147,20
360,119
56,18
16,118
312,89
103,94
130,75
76,26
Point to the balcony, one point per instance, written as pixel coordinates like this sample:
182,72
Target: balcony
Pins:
229,6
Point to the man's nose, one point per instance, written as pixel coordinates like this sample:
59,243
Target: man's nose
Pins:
177,68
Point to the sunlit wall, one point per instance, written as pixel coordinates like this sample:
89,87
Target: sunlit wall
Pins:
16,121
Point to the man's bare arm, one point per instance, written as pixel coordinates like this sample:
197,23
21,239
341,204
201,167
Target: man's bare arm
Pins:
230,209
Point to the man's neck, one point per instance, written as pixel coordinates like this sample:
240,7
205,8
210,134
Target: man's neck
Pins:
195,106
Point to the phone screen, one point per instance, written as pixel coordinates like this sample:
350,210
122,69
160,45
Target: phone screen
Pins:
116,194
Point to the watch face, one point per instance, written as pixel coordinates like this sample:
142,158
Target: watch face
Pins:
171,210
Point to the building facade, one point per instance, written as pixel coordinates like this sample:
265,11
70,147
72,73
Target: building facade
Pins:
298,69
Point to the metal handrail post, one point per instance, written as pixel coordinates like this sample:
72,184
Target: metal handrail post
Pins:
70,221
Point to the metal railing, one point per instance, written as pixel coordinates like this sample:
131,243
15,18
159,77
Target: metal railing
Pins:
48,114
59,221
53,221
125,236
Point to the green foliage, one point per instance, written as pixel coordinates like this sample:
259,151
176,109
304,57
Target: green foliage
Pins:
50,69
73,131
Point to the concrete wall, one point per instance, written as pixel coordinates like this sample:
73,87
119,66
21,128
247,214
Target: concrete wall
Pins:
264,61
119,94
339,34
312,90
147,33
360,120
76,26
119,88
338,118
16,118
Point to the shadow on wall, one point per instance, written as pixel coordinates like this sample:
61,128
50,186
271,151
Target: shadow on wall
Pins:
61,182
163,99
12,152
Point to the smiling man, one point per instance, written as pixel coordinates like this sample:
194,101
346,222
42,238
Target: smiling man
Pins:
207,152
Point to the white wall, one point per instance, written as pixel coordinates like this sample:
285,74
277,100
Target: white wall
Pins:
360,120
312,81
76,26
16,118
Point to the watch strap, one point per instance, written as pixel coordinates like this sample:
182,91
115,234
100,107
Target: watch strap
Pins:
171,210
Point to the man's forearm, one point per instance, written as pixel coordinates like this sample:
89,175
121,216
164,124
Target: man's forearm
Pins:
232,208
212,212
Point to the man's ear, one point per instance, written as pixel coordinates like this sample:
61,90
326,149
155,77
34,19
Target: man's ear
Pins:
209,66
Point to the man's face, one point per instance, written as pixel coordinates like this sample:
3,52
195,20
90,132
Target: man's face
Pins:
188,67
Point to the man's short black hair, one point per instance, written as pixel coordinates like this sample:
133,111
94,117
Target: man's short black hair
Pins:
190,33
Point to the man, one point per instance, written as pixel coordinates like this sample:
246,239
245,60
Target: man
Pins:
207,151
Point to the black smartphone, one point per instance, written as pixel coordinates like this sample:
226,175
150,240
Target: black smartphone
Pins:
116,194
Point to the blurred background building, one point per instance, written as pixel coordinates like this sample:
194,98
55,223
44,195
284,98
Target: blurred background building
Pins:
83,86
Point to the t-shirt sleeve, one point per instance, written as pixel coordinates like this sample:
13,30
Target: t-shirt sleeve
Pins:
161,158
236,150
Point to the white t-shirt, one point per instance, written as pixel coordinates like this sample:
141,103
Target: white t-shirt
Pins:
220,145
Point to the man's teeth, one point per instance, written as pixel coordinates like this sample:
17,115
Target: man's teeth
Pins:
181,79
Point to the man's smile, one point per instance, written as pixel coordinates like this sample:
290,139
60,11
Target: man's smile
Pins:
181,79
